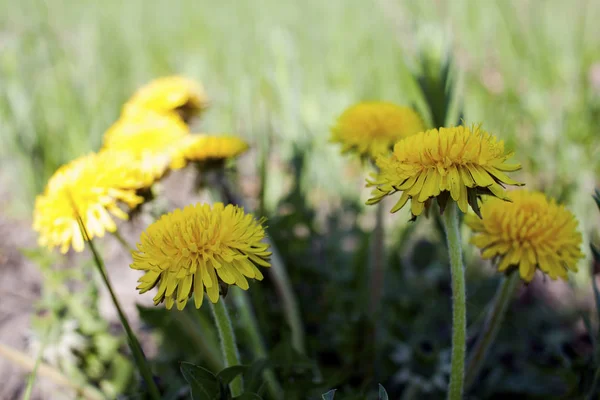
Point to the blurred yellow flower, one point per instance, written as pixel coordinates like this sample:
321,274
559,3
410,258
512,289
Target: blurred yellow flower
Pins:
212,148
198,248
91,187
372,128
169,94
459,162
153,139
531,232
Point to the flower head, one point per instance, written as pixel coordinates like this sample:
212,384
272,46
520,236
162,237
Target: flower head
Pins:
459,162
168,94
198,248
212,148
90,187
531,232
372,128
153,139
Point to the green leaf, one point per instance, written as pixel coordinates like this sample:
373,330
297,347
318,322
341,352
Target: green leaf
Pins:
253,374
329,395
382,393
248,396
230,373
203,383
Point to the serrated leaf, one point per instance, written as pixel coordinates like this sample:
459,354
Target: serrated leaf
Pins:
203,383
230,373
248,396
382,393
329,395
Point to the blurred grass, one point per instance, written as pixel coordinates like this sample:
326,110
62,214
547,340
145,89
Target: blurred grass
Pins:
528,70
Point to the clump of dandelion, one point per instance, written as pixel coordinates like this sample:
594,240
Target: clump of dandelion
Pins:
92,187
461,163
153,139
457,164
530,233
169,94
200,248
372,128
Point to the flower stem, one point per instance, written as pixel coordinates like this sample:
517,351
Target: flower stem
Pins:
242,302
134,344
459,312
492,323
228,345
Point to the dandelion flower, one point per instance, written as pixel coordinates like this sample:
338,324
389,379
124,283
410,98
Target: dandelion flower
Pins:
153,139
169,94
372,128
531,232
91,187
206,148
459,162
198,248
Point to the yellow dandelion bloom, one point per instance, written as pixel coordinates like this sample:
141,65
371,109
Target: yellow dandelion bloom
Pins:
169,94
206,148
372,128
154,139
90,186
459,162
196,249
531,232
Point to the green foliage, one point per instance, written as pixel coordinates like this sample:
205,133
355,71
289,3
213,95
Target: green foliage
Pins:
69,332
68,66
203,383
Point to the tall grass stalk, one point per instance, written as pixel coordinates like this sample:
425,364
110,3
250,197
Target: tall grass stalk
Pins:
493,321
244,307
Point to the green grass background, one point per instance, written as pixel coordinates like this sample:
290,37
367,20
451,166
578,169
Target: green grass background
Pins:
529,70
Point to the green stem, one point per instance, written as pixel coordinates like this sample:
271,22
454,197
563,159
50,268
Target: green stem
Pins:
228,345
277,271
284,288
459,309
377,264
492,323
38,360
134,344
122,240
242,302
